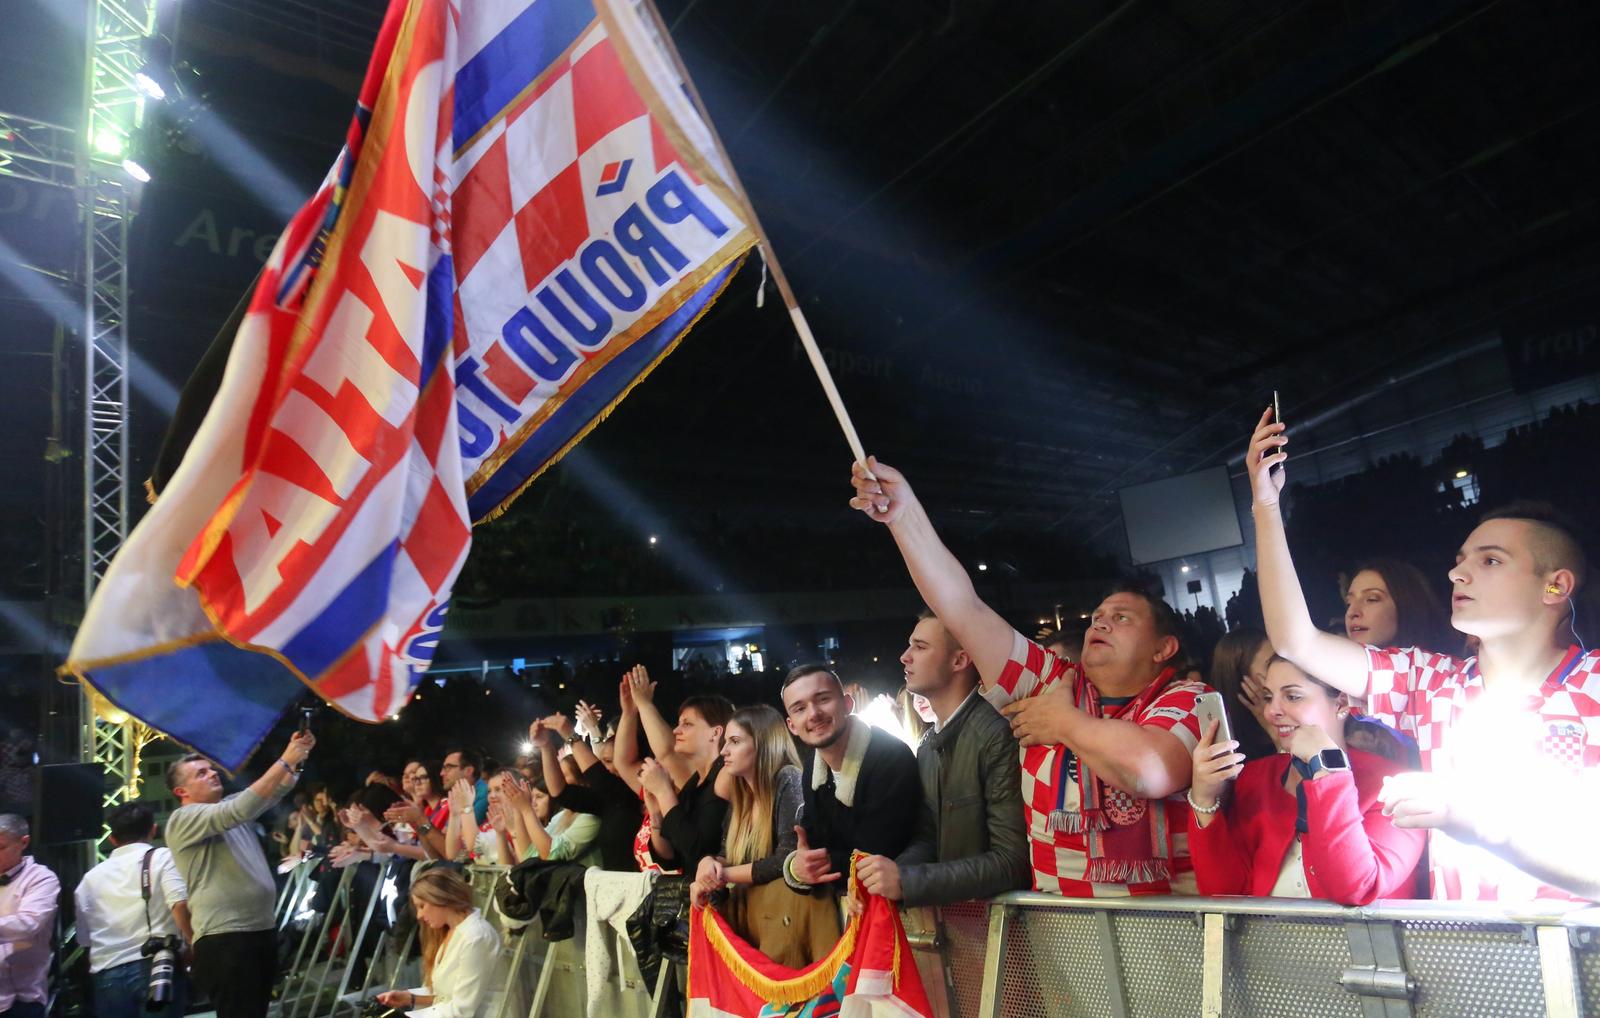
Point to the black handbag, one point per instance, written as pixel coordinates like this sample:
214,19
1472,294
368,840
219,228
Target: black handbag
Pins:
669,917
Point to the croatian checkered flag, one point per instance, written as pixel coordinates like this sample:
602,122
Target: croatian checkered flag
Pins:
528,214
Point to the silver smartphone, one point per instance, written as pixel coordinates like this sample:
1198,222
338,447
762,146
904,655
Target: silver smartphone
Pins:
1208,707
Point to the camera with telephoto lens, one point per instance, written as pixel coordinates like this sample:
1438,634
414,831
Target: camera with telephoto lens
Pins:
163,955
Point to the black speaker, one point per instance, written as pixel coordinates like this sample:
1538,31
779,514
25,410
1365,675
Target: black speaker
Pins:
71,800
1194,586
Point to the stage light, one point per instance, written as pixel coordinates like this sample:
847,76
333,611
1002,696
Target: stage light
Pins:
136,171
983,567
1044,622
109,143
1461,474
652,540
1084,615
1183,569
149,86
526,748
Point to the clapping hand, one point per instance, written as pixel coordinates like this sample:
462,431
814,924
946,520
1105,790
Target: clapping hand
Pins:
587,717
560,725
640,686
655,778
405,813
463,796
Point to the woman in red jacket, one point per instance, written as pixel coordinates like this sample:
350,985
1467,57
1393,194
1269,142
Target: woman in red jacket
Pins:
1304,823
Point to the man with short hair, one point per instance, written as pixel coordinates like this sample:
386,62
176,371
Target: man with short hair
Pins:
28,893
466,765
970,840
135,896
861,789
1510,738
231,887
1106,743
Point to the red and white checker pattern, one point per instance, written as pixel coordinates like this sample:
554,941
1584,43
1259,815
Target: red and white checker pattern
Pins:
524,204
1488,738
1060,859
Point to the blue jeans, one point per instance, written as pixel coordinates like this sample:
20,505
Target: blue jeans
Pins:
119,991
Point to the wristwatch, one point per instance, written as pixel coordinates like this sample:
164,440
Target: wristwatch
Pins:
574,738
424,827
1328,760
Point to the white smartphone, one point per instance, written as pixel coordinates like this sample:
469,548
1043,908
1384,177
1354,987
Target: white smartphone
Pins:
1208,707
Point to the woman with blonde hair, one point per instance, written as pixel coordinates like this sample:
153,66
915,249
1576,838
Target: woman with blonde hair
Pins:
763,785
461,952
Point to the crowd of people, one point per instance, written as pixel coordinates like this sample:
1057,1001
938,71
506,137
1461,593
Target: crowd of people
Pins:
1426,750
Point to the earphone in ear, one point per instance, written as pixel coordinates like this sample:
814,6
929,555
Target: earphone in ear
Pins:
1553,589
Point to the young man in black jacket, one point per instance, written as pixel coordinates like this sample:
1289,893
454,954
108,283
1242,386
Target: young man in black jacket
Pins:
971,841
861,789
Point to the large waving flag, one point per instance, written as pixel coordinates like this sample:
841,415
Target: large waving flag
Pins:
870,971
528,214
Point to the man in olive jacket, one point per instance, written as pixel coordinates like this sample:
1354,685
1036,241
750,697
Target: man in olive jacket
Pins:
970,841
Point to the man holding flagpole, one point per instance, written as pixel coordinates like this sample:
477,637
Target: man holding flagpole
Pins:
231,887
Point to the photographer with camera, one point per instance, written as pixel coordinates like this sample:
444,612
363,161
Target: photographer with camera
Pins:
133,916
231,889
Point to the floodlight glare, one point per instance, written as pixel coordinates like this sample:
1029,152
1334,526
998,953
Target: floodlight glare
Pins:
149,86
136,171
108,142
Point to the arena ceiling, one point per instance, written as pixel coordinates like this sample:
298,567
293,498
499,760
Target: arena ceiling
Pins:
1053,249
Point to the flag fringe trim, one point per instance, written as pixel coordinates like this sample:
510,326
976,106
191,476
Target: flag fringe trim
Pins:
737,263
808,984
805,986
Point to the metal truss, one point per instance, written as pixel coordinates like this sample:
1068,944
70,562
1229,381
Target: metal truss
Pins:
113,111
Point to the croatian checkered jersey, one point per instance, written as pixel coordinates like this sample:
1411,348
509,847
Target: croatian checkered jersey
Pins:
1508,744
1060,858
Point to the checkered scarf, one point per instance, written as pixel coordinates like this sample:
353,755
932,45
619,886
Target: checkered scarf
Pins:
1128,838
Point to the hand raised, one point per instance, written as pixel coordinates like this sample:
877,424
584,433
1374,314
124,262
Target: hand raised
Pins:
560,724
1265,452
639,684
300,746
881,491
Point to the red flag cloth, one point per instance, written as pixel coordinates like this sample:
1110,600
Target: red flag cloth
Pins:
870,972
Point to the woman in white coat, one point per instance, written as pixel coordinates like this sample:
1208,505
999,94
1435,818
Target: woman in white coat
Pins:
462,957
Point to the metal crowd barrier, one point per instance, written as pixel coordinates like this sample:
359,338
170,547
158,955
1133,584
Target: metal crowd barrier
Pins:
1030,955
543,979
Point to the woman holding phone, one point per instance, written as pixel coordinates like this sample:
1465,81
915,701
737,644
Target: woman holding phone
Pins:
1302,823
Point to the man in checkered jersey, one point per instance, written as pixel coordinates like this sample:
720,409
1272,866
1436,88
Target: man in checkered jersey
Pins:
1105,744
1510,739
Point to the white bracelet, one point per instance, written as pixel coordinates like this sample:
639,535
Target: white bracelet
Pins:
1202,810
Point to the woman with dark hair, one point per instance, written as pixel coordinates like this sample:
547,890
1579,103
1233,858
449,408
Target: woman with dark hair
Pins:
1390,603
683,774
1304,823
1238,672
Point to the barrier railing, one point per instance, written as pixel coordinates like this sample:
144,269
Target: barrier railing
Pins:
1030,955
1035,955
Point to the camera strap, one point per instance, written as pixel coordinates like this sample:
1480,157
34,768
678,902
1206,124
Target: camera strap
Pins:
144,890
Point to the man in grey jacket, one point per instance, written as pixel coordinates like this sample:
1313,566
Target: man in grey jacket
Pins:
970,840
231,890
